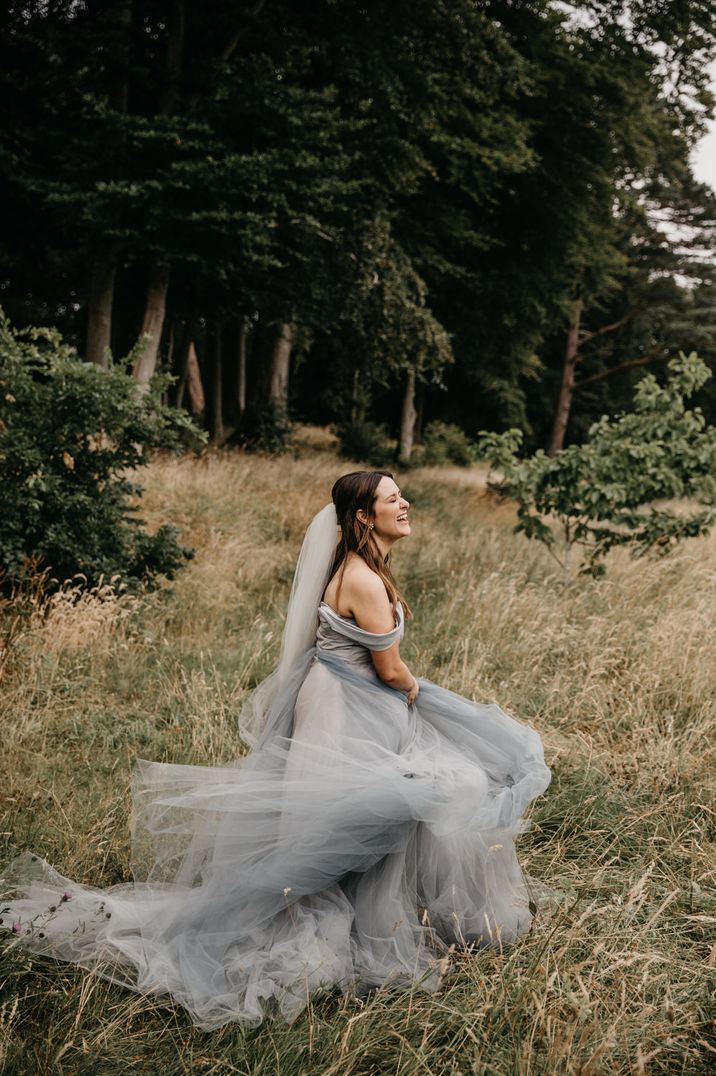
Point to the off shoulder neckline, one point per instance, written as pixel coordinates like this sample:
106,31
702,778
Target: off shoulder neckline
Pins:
351,620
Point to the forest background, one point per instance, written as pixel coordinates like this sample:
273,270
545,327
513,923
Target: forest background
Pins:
481,214
358,215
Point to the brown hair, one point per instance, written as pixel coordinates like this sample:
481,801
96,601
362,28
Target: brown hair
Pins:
351,493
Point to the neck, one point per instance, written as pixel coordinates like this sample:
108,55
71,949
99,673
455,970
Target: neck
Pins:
384,544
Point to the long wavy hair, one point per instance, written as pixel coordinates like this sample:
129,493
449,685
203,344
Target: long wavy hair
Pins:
351,493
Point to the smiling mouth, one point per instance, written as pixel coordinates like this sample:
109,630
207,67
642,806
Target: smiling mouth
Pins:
402,519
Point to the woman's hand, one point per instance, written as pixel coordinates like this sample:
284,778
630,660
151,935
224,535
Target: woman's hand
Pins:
413,693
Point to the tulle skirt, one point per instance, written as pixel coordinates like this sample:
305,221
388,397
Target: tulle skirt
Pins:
349,852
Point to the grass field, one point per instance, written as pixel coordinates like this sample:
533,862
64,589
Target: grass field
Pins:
619,675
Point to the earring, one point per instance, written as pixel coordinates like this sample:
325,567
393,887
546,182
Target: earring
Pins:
370,525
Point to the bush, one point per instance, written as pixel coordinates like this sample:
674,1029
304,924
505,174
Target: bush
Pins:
365,441
444,443
69,434
605,492
268,430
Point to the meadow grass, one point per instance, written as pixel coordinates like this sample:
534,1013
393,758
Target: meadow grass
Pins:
619,676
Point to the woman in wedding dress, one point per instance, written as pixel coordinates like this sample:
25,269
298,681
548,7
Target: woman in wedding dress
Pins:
370,827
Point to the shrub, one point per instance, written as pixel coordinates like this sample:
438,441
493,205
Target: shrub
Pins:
366,441
70,433
267,430
602,493
445,443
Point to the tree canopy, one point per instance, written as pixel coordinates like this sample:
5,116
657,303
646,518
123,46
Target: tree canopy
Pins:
336,212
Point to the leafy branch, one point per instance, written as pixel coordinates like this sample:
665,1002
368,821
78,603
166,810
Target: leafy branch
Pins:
608,491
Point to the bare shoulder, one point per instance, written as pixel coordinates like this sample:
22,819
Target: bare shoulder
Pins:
364,593
359,575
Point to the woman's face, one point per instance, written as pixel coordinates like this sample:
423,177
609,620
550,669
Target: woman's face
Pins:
390,511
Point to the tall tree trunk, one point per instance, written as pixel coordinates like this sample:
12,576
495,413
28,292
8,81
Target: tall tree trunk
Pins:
566,389
215,356
182,364
155,306
241,373
419,412
152,325
99,309
279,366
104,268
171,342
407,419
355,396
360,396
194,384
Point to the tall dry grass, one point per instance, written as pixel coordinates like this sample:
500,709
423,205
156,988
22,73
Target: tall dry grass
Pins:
619,675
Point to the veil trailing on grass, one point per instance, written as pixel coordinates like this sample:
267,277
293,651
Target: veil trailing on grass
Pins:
357,841
261,716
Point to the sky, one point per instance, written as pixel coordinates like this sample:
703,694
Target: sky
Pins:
704,156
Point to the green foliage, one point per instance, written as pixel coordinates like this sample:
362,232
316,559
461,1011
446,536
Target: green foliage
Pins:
70,433
78,705
366,441
446,443
267,429
604,493
388,318
420,185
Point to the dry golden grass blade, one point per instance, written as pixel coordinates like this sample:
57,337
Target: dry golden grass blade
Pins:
619,675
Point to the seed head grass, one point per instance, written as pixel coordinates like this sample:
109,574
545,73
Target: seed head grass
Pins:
618,675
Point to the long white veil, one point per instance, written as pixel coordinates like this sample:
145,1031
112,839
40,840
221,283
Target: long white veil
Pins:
348,855
267,710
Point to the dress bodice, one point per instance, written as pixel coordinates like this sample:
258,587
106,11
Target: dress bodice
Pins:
341,637
357,844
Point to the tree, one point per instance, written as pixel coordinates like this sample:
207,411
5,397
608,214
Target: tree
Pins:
393,332
212,169
441,137
70,433
662,305
646,68
605,492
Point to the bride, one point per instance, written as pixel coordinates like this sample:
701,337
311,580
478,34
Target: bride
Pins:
370,828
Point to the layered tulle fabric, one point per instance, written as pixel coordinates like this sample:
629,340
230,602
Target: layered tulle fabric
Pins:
357,841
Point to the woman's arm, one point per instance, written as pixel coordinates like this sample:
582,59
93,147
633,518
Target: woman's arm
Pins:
393,671
371,610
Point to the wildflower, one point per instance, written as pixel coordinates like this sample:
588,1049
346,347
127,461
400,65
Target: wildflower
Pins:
65,896
17,927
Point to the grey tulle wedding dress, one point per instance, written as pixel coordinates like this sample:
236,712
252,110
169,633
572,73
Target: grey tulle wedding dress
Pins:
355,843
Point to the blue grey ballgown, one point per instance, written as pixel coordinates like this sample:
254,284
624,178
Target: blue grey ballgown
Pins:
356,842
